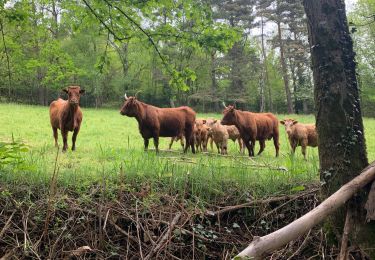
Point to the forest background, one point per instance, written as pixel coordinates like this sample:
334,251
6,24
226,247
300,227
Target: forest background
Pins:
195,52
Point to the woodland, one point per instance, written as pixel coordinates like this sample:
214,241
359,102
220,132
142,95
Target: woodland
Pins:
253,53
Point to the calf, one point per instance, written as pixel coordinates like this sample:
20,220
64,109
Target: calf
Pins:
234,135
252,127
175,139
300,135
154,122
219,135
201,134
66,115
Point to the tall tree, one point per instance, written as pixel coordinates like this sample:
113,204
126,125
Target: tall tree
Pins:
342,148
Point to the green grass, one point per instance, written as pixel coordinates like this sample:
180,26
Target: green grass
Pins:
109,147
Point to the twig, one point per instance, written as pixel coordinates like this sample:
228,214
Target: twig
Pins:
301,246
164,238
137,226
345,236
7,224
282,205
265,201
118,228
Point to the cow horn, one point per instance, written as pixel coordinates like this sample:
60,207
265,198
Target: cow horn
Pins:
137,93
224,105
126,97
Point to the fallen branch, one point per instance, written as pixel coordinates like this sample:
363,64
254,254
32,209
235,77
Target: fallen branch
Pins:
256,202
275,240
345,236
164,238
7,224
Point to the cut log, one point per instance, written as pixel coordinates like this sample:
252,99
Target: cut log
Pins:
279,238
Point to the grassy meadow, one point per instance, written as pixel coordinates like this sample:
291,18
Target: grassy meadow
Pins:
110,149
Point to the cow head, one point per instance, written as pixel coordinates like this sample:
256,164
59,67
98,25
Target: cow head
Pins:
74,94
288,123
200,124
130,107
229,117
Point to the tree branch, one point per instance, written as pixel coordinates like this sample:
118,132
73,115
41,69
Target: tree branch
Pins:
271,242
143,31
104,24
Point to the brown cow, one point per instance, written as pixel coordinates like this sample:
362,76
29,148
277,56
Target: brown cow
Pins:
66,115
252,127
155,122
300,135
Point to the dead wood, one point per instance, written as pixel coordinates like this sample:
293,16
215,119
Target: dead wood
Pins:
271,242
164,238
257,202
345,236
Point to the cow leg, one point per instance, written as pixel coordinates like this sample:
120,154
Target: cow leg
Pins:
146,141
65,139
189,139
276,144
240,144
170,144
205,145
156,143
55,136
293,144
74,138
182,142
224,147
249,147
262,144
212,143
304,145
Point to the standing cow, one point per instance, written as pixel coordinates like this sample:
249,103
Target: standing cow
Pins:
155,122
66,115
300,135
252,127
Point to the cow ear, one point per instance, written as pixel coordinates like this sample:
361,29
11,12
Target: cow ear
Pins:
65,90
82,91
282,122
204,121
215,120
295,122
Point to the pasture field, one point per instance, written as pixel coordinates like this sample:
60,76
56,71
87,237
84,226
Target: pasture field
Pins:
109,147
111,177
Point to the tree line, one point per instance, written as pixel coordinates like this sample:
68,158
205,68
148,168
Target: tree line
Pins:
197,52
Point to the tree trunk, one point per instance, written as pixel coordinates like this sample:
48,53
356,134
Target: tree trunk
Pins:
261,92
342,148
292,67
284,70
265,69
213,81
8,61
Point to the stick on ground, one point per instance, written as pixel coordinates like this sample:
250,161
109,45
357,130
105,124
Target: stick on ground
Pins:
277,239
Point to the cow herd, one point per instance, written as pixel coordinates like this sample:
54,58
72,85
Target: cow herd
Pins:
181,124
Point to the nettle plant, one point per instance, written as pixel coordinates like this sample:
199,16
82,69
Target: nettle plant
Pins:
11,154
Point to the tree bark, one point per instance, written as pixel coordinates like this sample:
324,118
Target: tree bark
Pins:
342,148
284,70
264,74
8,61
213,81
